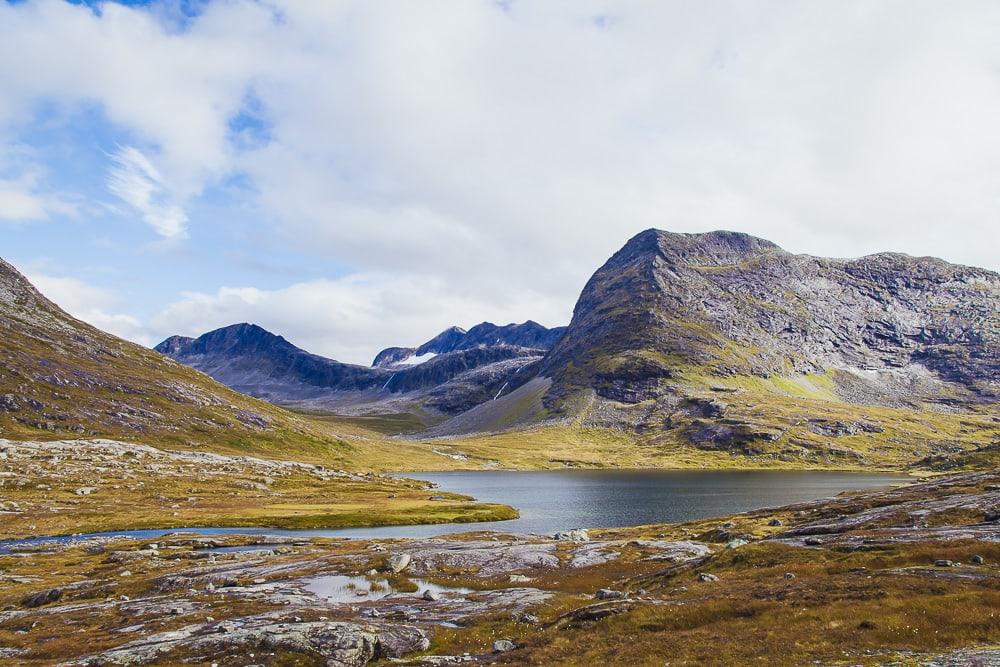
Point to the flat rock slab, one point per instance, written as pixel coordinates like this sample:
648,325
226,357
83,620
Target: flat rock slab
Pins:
339,644
483,558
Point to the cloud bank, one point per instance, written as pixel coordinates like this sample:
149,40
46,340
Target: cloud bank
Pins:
478,160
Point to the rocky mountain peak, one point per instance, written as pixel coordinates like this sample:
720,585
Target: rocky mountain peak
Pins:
18,297
173,345
235,339
709,248
725,303
446,341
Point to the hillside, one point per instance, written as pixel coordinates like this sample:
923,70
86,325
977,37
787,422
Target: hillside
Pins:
97,433
64,379
726,342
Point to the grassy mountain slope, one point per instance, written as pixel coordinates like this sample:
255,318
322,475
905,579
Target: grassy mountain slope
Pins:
62,378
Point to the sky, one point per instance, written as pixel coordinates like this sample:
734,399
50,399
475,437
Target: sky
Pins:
356,175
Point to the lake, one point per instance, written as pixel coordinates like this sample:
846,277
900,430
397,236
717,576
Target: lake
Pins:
558,500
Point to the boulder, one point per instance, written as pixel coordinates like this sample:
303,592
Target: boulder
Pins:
574,535
608,594
399,562
503,645
706,577
43,598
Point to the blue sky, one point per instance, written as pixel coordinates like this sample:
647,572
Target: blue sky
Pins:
355,175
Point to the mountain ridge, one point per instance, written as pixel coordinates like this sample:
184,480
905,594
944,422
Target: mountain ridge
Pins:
529,334
723,342
460,374
741,305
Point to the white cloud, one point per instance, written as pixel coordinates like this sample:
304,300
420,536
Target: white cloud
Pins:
92,304
23,195
493,155
137,182
19,202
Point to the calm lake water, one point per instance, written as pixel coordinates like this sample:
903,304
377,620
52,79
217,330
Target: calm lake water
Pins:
558,500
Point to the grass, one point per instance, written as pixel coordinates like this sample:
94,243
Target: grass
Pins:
838,607
221,493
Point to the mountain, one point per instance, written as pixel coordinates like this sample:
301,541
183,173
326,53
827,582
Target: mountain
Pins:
727,304
454,376
727,342
530,335
61,377
691,346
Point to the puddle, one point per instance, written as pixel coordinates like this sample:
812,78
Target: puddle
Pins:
342,588
244,548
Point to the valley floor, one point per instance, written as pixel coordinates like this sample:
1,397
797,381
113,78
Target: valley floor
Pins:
907,576
73,486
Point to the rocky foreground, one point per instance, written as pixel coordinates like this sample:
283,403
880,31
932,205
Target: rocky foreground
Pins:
907,576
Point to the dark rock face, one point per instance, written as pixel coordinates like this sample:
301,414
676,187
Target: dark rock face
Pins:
174,345
43,598
730,304
391,356
446,341
529,335
251,359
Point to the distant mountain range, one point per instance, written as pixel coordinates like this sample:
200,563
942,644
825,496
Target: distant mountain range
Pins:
720,341
448,374
530,335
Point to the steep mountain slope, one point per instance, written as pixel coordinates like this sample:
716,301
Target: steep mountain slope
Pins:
727,342
255,361
728,304
62,377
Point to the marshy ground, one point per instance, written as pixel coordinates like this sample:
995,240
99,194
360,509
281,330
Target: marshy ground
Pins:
906,576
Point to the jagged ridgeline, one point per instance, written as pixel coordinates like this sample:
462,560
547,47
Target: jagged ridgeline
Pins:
449,374
61,377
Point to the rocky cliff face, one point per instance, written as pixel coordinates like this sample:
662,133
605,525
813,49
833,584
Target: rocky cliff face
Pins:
727,304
